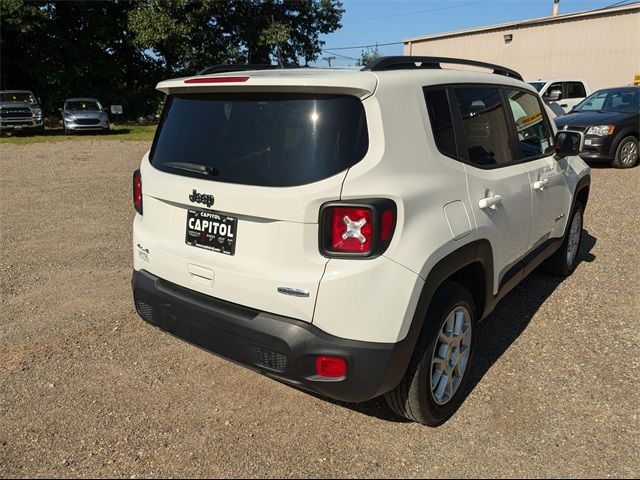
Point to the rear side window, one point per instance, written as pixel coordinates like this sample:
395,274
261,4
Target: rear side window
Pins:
441,122
534,133
575,90
262,139
554,87
486,132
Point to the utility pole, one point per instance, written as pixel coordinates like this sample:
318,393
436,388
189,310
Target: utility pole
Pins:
328,59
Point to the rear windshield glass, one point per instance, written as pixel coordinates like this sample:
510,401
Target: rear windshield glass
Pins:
261,139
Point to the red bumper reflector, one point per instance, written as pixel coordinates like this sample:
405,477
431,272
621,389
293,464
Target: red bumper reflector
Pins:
387,225
331,367
137,191
217,80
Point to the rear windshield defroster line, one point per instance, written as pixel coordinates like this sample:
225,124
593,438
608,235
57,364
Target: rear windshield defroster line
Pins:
263,139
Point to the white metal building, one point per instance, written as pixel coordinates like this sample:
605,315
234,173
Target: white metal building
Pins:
602,46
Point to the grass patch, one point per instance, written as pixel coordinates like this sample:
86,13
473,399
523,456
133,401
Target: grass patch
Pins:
122,132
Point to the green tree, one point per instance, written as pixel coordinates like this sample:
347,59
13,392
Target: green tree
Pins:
368,56
118,50
188,36
76,48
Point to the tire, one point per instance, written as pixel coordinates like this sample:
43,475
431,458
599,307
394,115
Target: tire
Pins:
565,260
627,153
415,398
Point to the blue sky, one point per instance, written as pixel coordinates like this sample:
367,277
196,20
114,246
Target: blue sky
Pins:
368,22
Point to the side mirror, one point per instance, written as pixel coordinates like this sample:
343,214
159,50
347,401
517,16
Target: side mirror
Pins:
554,95
568,143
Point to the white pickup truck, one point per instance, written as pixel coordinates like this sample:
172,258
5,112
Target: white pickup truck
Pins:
567,92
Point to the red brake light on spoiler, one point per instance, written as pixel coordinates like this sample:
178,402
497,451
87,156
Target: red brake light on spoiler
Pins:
217,80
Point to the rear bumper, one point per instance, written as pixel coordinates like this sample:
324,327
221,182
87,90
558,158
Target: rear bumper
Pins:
279,347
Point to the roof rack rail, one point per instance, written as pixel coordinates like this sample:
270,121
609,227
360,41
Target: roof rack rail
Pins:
237,67
409,62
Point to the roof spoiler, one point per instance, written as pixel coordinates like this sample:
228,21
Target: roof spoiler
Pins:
417,63
237,67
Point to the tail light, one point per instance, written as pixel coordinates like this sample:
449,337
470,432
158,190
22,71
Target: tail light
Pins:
361,229
137,191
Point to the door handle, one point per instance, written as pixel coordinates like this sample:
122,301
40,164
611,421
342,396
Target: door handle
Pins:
540,184
490,202
564,104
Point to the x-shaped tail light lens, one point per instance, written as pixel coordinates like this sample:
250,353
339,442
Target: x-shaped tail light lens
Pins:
356,229
351,229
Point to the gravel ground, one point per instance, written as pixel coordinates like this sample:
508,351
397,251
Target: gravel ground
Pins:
88,389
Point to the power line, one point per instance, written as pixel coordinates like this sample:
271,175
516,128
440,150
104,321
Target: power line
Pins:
421,11
483,1
339,55
616,4
366,46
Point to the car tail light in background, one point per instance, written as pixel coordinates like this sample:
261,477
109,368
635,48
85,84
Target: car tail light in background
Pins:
137,191
331,367
357,229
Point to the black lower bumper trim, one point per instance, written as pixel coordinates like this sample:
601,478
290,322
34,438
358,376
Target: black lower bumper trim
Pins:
280,347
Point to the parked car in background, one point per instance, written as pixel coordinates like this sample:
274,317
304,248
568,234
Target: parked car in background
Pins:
567,92
84,114
610,120
20,111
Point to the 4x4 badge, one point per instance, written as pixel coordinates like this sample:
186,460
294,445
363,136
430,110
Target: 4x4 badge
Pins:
196,197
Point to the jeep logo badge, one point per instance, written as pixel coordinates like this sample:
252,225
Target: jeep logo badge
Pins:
196,197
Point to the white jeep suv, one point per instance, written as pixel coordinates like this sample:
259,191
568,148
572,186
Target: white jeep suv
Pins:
344,231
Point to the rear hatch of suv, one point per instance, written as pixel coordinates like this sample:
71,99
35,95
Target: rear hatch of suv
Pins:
234,181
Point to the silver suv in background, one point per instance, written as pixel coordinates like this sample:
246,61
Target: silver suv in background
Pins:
80,114
20,111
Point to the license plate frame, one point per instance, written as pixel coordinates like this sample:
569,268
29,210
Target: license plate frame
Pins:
211,231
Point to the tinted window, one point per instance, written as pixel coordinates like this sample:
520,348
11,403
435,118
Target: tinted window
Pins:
575,90
262,138
485,127
83,105
554,87
614,101
17,97
534,134
441,123
592,103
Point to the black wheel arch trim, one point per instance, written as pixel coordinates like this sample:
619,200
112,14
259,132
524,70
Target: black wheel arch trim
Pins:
480,252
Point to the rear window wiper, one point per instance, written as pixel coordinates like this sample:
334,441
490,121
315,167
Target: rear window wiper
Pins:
193,167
